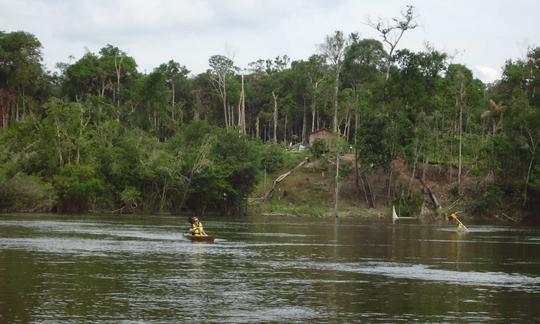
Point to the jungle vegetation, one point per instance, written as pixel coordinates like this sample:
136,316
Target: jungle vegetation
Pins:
98,134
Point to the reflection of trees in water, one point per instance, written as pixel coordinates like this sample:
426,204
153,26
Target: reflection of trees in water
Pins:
19,287
455,248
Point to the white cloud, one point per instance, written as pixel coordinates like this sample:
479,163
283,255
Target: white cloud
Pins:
190,31
487,73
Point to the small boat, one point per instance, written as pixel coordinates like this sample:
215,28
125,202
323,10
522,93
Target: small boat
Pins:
200,238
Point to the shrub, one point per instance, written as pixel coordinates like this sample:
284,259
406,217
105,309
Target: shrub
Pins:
318,148
409,205
24,193
273,158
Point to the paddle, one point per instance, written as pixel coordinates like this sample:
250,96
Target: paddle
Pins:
461,226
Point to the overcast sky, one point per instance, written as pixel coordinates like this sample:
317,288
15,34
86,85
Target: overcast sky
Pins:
481,34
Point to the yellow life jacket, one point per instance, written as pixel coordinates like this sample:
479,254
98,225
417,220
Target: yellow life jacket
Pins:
197,229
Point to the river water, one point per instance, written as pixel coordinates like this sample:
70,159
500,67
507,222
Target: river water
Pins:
264,269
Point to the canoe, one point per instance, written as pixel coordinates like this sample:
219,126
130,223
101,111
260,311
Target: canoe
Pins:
200,238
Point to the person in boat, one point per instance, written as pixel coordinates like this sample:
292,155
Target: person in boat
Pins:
454,217
196,227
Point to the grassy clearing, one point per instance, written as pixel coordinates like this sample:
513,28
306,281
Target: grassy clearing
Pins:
309,191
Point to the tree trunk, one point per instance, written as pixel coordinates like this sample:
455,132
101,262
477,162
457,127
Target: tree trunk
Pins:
275,116
285,130
461,97
348,125
59,149
415,163
356,173
239,111
257,128
304,124
533,153
163,196
313,115
369,191
389,188
102,93
336,91
337,182
225,113
243,110
282,177
231,116
431,195
118,69
173,108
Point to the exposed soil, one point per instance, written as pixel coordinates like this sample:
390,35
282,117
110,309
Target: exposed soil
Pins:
314,185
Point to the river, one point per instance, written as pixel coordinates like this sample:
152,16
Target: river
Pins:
264,269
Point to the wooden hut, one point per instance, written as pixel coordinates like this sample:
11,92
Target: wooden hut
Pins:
323,134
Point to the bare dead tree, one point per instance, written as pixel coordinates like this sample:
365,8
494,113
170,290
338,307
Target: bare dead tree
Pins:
118,69
392,31
242,108
222,68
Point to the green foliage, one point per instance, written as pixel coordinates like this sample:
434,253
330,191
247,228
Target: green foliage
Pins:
273,158
513,151
318,148
77,187
408,205
373,143
130,197
107,136
25,193
237,160
491,199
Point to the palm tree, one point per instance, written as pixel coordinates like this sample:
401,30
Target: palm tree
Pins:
495,113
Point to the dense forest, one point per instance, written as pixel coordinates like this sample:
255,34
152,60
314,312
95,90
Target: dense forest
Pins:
99,135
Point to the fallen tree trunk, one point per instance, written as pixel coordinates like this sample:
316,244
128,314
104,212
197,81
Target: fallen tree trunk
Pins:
431,195
368,191
282,177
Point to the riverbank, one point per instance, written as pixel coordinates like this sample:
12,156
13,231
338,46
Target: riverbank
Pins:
430,192
317,211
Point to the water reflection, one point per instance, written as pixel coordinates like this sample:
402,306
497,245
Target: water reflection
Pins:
264,269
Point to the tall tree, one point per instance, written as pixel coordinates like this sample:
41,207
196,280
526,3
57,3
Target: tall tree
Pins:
333,49
221,69
175,78
20,72
392,32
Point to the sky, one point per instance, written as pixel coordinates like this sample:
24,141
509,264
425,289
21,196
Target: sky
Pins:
482,34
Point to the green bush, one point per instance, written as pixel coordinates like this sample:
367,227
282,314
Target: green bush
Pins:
455,192
77,186
24,193
409,205
318,148
130,197
491,198
273,158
